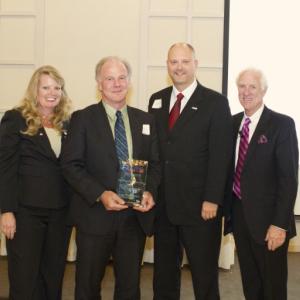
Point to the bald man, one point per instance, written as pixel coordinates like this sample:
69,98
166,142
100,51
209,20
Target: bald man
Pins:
194,131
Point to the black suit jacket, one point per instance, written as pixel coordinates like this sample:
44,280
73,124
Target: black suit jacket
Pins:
195,154
269,177
91,166
30,173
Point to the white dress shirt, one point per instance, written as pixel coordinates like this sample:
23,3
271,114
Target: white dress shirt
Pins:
252,126
187,93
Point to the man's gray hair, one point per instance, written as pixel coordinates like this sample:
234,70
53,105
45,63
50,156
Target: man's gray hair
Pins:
113,58
259,73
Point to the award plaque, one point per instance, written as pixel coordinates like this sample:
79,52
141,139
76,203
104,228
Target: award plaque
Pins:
132,180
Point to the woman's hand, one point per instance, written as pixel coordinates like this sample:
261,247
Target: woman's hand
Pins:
8,225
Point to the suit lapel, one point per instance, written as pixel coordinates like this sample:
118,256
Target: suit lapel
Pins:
136,131
162,113
236,125
64,133
190,109
101,125
165,110
41,139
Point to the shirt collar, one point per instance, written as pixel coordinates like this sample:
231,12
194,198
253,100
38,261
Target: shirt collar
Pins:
187,93
111,111
256,116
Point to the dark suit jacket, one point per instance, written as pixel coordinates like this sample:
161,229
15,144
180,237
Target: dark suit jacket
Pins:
195,154
269,177
91,166
30,173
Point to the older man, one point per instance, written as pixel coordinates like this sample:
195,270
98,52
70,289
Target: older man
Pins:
263,189
101,136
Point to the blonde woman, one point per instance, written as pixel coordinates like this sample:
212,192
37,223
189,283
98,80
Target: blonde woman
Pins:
34,195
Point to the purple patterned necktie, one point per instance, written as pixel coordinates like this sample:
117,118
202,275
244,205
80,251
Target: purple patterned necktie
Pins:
244,142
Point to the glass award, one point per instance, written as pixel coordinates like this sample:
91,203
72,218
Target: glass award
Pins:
132,180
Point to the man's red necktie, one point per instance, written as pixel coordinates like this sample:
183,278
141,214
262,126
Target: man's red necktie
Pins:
175,112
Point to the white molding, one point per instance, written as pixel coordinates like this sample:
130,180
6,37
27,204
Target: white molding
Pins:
294,249
187,12
167,13
39,34
143,52
219,66
18,14
147,14
3,110
294,245
17,62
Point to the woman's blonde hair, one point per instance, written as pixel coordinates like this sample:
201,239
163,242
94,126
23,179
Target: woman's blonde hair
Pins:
29,105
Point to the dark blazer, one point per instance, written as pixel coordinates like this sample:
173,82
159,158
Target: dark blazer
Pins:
30,173
269,177
91,166
195,153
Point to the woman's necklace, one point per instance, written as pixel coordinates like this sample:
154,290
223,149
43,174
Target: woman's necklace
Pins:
46,121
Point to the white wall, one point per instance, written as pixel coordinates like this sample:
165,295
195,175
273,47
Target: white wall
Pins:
265,34
79,33
74,34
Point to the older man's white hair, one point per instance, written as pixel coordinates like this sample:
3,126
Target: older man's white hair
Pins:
259,73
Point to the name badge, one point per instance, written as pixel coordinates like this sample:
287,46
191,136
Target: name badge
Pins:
146,129
157,103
